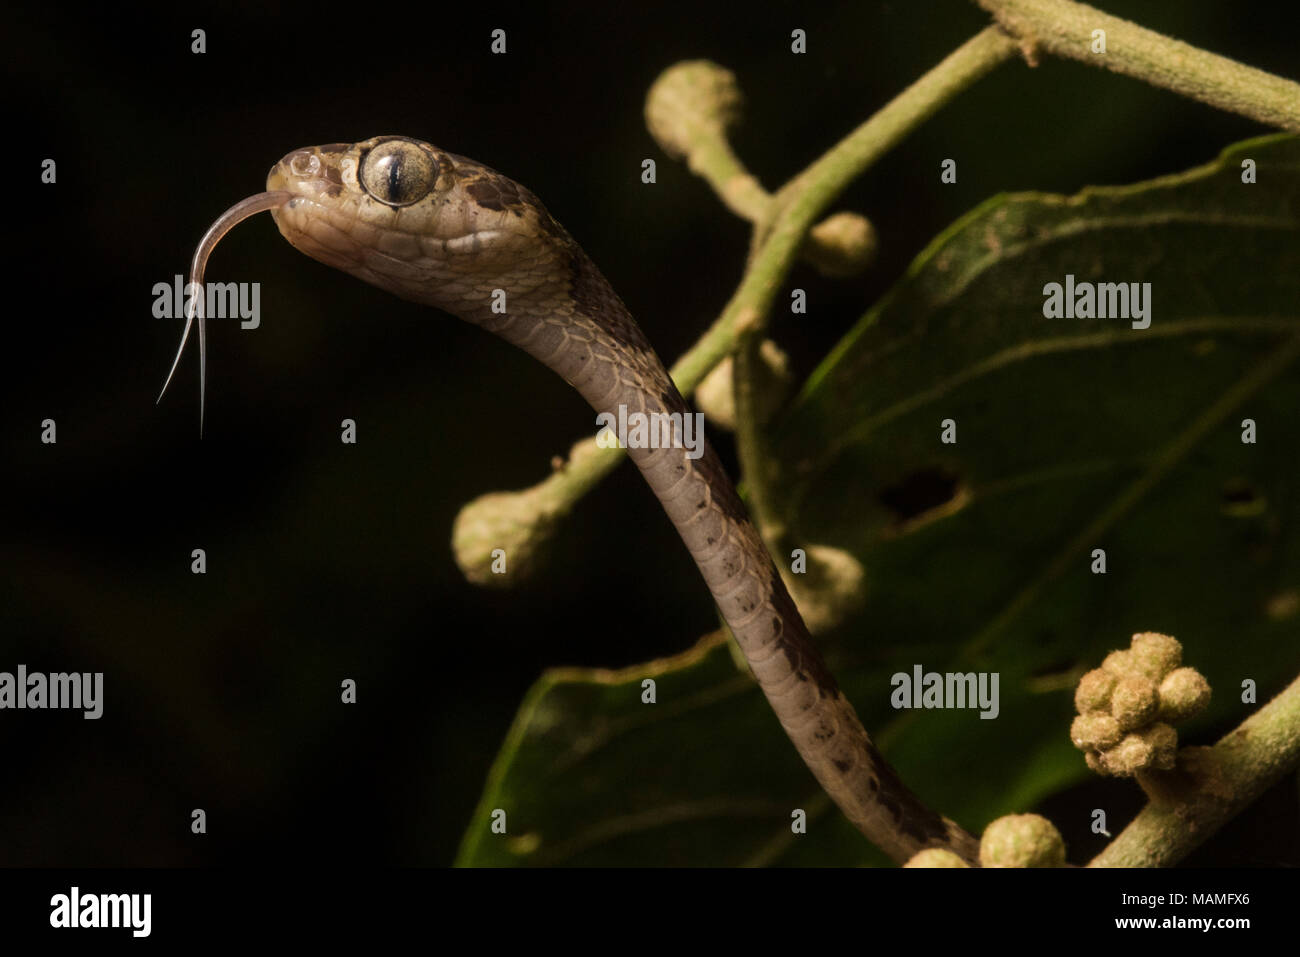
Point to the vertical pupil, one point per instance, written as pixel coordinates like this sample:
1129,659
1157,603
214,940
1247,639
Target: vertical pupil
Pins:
397,175
394,175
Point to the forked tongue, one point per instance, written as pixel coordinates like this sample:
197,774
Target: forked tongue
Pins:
225,223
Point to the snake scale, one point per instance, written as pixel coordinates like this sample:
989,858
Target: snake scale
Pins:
443,230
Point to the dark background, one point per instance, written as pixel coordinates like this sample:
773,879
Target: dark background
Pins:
328,561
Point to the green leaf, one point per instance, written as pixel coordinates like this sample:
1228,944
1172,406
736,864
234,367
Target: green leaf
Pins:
591,774
1072,435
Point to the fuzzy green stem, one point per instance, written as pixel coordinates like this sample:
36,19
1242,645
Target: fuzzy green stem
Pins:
1065,29
713,160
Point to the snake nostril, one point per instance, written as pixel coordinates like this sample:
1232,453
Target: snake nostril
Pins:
304,163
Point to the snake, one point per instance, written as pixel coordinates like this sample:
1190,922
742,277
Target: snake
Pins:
443,230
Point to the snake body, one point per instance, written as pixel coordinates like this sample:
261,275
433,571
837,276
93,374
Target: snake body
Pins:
443,230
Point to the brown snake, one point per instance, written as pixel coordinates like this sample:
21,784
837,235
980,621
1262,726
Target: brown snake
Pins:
443,230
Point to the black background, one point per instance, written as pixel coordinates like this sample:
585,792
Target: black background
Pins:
328,561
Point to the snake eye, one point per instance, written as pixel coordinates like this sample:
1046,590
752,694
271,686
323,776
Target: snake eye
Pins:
398,173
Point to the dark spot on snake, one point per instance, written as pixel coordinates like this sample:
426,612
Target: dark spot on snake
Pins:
873,785
332,174
492,190
842,766
710,469
595,300
797,644
485,194
796,660
918,822
890,804
777,629
545,221
592,296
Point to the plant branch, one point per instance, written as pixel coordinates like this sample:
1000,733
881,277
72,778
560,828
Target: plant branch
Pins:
689,110
1065,29
799,203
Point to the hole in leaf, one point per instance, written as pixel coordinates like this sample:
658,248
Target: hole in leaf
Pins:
919,492
1062,665
1241,499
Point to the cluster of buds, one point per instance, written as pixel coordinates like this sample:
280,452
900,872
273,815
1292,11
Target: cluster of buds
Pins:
1128,706
1127,709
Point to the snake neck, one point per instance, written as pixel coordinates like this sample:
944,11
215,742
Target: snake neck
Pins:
480,246
581,330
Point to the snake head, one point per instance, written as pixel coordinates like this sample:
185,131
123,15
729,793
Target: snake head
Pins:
424,224
427,225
